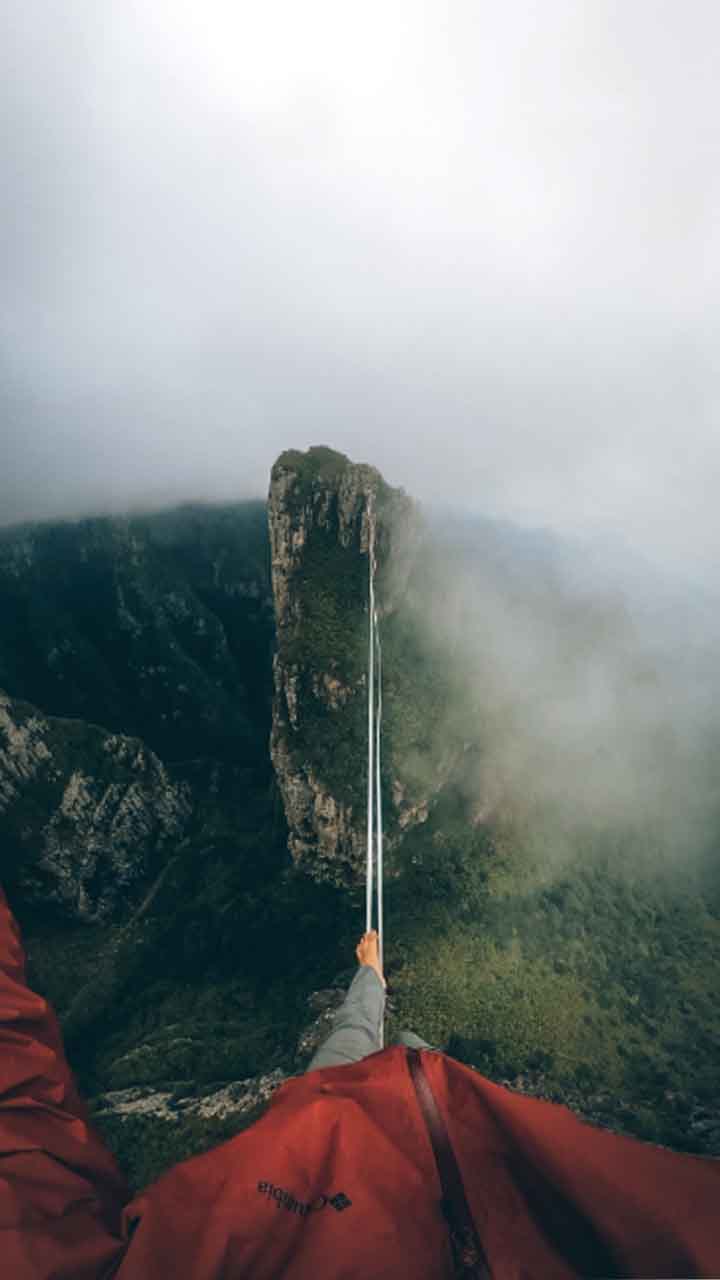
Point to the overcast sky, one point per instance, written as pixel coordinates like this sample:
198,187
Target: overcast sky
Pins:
476,244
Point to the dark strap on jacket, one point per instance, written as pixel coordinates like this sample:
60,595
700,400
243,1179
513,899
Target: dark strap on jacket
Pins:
468,1254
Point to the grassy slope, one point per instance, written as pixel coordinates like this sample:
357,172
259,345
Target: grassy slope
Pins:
597,981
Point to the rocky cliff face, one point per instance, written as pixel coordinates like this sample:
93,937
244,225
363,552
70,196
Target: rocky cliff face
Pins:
85,815
145,643
321,510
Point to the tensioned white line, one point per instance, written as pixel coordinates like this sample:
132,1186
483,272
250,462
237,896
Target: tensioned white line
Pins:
371,727
378,796
374,817
378,811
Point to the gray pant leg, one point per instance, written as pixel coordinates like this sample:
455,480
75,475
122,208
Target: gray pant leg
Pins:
356,1025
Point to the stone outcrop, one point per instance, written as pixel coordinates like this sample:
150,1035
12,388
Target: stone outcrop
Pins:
235,1099
85,815
322,512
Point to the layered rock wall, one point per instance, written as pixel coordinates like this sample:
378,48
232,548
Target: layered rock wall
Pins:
85,815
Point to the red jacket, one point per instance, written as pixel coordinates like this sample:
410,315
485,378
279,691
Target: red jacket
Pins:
337,1179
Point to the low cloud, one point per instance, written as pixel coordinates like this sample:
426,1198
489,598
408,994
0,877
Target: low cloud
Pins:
476,247
587,693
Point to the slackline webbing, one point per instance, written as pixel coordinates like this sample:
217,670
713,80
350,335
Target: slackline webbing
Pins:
374,803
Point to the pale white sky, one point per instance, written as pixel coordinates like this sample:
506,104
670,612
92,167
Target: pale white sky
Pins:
475,244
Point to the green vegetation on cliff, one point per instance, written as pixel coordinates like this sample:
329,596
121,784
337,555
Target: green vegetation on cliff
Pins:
156,626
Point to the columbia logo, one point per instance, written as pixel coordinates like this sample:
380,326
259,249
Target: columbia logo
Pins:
340,1202
286,1200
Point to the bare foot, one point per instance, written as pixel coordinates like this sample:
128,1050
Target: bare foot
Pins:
367,953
